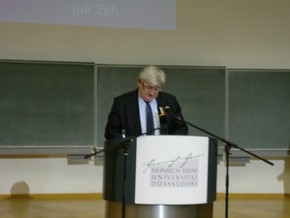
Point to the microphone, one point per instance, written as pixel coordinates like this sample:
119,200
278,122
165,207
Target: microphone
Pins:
123,132
169,112
124,139
163,121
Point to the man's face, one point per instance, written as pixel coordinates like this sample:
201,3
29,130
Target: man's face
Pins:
148,93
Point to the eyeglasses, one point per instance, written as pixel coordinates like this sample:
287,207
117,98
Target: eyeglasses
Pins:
151,88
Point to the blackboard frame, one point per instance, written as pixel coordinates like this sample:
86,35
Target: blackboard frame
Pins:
205,84
258,111
47,107
129,81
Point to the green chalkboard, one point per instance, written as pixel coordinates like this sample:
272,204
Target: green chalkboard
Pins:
46,104
259,108
65,105
199,90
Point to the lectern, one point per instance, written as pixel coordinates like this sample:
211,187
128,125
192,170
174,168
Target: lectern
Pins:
164,176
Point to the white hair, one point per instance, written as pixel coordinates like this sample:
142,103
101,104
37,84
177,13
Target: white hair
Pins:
153,75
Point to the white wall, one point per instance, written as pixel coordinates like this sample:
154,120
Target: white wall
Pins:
256,177
55,175
48,175
231,33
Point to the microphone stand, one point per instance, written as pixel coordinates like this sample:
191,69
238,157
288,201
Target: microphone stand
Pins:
228,146
125,144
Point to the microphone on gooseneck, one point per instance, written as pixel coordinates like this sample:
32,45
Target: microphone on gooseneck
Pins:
163,121
123,132
169,112
125,141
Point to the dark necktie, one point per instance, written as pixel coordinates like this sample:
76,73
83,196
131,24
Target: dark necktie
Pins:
149,120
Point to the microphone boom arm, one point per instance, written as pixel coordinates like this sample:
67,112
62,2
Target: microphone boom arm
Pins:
227,142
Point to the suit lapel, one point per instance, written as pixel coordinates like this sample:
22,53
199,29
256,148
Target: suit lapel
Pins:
134,108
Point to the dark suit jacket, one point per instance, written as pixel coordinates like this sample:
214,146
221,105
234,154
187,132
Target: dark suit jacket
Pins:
125,115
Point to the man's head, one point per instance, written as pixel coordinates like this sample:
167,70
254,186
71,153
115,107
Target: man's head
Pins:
150,81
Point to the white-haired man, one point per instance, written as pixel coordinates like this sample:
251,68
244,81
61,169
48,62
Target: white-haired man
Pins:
128,112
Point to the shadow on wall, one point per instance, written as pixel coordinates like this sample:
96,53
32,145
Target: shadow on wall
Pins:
285,178
285,175
18,201
20,189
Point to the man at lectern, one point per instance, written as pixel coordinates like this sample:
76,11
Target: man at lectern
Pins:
141,111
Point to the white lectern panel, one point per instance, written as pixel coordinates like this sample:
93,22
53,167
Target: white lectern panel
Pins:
171,170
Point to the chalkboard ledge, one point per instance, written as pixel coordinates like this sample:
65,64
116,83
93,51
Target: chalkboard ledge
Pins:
46,150
265,153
